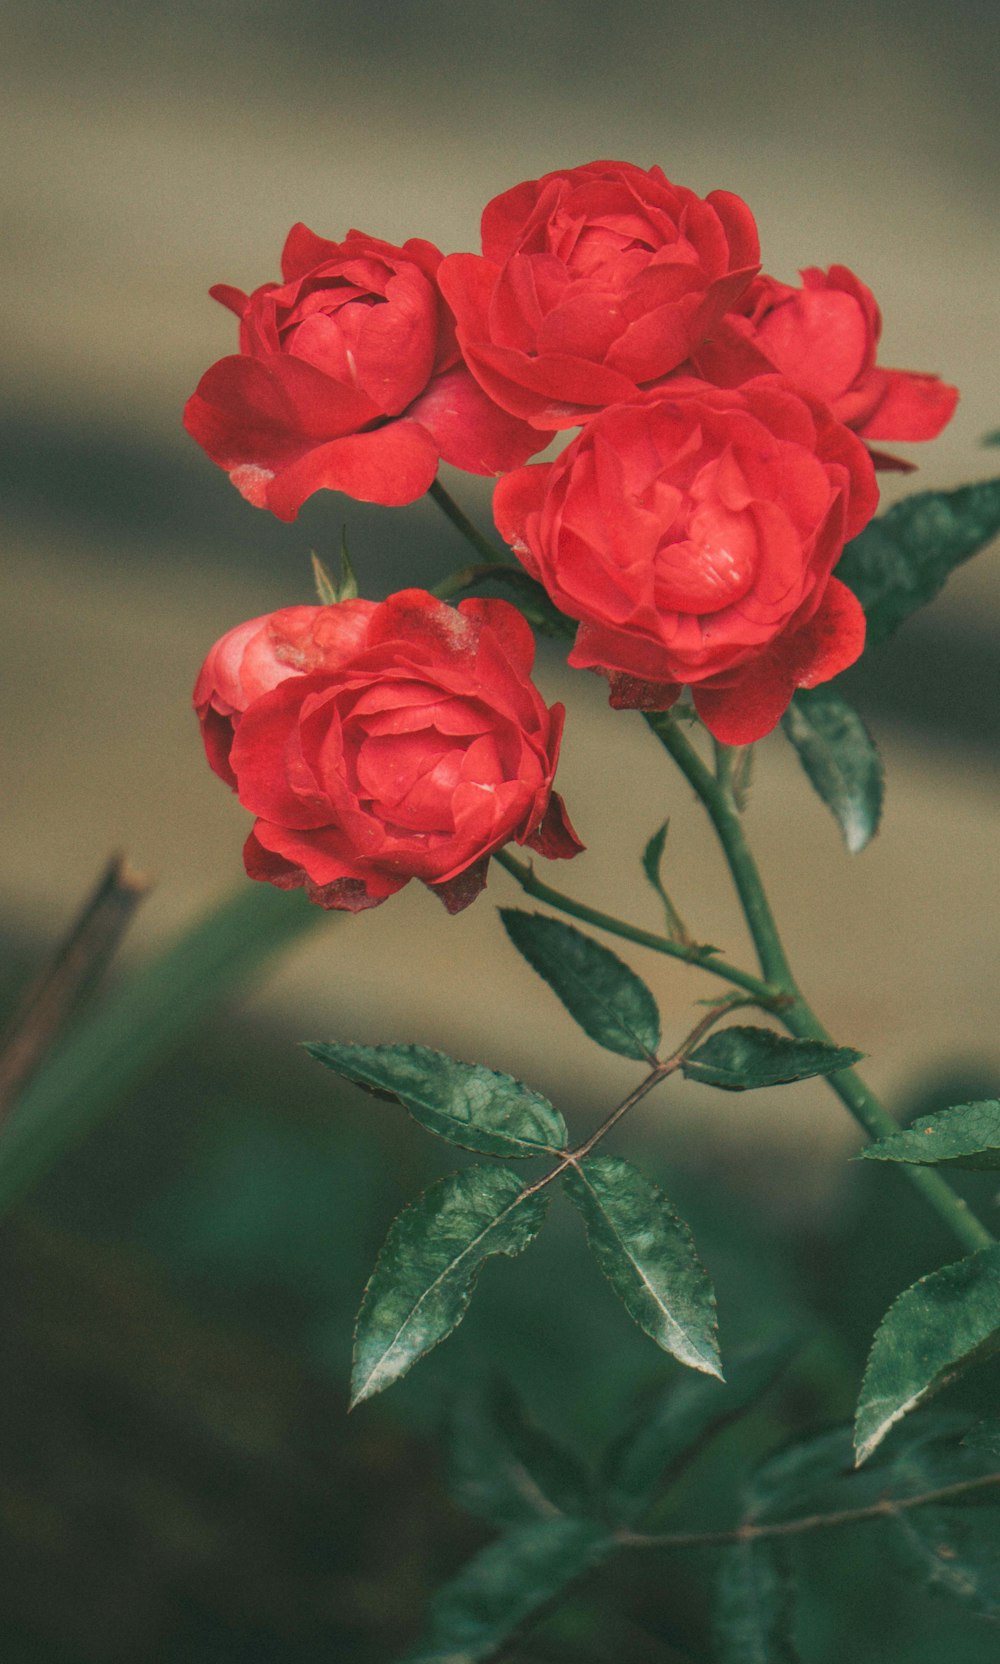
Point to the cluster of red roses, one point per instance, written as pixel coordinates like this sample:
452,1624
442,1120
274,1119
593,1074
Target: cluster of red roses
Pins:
691,528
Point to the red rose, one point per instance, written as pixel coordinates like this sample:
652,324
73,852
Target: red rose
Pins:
407,742
824,338
594,282
348,379
693,538
255,656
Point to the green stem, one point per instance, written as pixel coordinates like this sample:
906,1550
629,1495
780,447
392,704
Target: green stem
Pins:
460,520
139,1023
795,1012
706,958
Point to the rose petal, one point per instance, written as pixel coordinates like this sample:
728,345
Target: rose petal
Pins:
393,465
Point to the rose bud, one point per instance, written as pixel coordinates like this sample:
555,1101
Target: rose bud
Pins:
824,339
405,740
594,282
693,538
348,378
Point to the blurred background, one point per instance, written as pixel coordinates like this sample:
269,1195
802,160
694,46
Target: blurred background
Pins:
179,1292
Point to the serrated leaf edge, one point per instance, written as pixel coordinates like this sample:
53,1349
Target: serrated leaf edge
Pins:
644,1053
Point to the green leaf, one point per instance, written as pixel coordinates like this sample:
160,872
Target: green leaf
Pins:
466,1103
608,1000
951,1546
753,1607
965,1136
424,1277
840,758
505,1468
901,561
739,1059
652,865
936,1329
505,1587
991,438
673,1424
985,1435
646,1252
326,589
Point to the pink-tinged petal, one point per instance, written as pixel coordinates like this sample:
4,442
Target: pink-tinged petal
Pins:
393,465
911,406
517,499
509,628
629,693
428,628
226,295
469,429
217,737
264,412
461,891
759,694
555,837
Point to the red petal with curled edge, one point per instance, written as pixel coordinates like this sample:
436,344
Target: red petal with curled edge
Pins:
751,706
393,465
912,406
302,863
265,412
461,891
469,429
555,837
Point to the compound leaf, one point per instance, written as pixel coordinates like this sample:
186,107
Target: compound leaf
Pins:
841,759
741,1058
603,995
646,1252
424,1276
466,1103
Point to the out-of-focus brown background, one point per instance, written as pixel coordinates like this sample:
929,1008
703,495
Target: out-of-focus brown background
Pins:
151,151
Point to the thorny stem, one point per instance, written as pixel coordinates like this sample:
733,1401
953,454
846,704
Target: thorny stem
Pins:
460,520
749,1532
693,954
794,1011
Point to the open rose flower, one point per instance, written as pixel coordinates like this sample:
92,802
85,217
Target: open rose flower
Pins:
348,378
379,742
693,538
594,282
824,338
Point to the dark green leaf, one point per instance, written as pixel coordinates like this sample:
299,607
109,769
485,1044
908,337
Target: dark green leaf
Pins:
674,1424
966,1136
753,1607
985,1436
465,1103
991,438
646,1252
840,758
425,1274
937,1328
529,597
952,1546
738,1059
608,1000
652,863
505,1468
506,1586
902,560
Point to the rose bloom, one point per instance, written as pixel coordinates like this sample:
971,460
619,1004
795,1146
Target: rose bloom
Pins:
693,538
348,378
383,741
824,338
594,282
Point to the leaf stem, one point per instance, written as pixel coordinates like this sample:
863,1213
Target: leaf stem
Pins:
460,520
693,954
749,1532
794,1010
